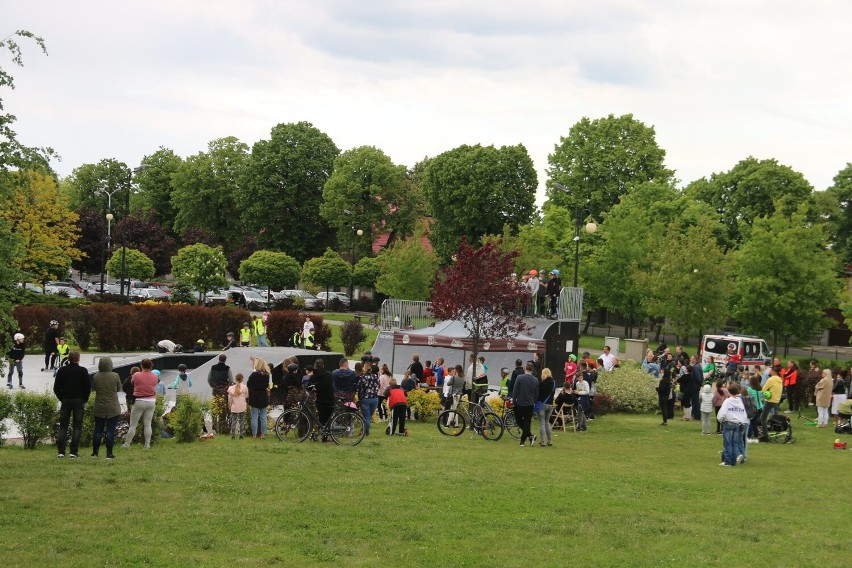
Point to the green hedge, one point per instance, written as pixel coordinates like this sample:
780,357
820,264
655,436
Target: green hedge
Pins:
630,389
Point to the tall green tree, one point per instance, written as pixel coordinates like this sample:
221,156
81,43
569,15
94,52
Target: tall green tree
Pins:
366,271
327,270
136,265
282,190
154,182
205,189
751,189
200,266
91,185
368,191
601,160
474,191
785,278
271,269
407,270
689,282
840,218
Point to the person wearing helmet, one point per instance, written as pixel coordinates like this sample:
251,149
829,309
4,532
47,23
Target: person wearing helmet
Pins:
62,351
199,346
571,368
16,360
231,341
554,287
51,340
245,335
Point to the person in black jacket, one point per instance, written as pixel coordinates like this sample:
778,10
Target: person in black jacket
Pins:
258,396
664,393
16,360
220,377
51,340
72,386
697,382
324,385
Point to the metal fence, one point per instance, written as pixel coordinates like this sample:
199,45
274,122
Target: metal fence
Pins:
570,307
406,314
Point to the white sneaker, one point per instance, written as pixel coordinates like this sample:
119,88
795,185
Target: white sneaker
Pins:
788,412
740,458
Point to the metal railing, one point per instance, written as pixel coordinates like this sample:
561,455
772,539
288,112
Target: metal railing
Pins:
406,314
570,307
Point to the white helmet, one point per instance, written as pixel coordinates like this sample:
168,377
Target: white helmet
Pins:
19,336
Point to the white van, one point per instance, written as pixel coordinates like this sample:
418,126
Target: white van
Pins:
752,350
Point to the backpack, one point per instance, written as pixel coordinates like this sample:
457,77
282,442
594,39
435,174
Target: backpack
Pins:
750,406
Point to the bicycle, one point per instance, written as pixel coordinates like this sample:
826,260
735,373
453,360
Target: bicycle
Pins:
507,415
484,422
345,426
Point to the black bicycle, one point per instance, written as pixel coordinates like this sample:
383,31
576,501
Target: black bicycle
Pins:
485,423
345,426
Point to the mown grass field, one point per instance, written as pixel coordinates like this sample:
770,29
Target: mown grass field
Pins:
626,493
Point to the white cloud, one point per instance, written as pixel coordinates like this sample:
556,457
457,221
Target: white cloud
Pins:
719,81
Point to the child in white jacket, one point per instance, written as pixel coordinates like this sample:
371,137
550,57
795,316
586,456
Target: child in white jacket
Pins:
705,397
734,421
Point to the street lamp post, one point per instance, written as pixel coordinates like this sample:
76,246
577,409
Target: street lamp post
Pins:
136,170
590,228
356,233
109,218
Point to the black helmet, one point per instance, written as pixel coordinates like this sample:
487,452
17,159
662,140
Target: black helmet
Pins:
231,334
375,360
292,368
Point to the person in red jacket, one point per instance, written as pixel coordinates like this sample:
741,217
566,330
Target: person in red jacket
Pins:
790,376
398,403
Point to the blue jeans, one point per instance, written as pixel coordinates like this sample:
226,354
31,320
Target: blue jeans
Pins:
104,427
261,340
368,407
255,414
733,436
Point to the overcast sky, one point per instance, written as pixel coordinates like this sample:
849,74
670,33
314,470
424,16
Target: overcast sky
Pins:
718,80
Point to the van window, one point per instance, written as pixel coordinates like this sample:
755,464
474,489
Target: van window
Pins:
716,346
751,350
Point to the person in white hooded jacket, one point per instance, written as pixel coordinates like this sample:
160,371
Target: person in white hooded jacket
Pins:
705,398
734,421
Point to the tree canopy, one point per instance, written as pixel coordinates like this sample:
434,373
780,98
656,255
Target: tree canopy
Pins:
750,190
136,265
271,269
283,189
407,270
327,270
601,160
200,266
474,191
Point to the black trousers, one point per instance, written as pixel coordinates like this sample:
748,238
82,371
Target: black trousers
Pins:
398,413
70,406
523,415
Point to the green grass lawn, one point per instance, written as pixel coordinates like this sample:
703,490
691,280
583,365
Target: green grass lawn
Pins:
625,493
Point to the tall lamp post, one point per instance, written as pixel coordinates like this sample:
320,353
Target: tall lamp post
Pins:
356,234
109,219
590,228
129,184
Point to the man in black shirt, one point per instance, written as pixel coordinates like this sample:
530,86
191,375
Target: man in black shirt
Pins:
324,385
72,387
524,396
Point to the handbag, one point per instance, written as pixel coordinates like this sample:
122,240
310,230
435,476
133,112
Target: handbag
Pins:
539,405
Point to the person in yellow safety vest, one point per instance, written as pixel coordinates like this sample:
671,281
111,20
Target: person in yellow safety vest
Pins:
63,349
260,332
297,338
309,341
504,382
245,335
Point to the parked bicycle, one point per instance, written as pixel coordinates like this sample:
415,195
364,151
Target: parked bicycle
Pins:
345,426
507,415
484,422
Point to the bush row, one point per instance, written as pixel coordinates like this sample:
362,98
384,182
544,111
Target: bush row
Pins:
131,327
627,389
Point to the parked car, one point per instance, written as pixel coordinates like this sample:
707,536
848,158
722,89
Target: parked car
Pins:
332,296
63,291
31,287
142,294
310,301
65,284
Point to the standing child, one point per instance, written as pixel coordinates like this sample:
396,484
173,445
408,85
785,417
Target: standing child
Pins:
62,350
705,398
237,404
160,388
398,403
733,416
16,360
823,398
182,383
720,393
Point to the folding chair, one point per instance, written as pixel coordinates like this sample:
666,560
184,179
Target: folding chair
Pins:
564,415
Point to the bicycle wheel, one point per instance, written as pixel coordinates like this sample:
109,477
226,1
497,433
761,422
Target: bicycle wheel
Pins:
492,427
293,426
347,428
451,423
511,425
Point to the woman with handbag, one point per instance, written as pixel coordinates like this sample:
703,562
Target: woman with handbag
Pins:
544,407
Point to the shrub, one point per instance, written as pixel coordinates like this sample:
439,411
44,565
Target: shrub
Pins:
497,403
6,407
352,335
182,294
630,388
424,403
220,413
88,433
187,418
80,324
602,404
34,413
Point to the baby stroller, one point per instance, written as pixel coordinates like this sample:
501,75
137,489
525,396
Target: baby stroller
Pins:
844,427
779,430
